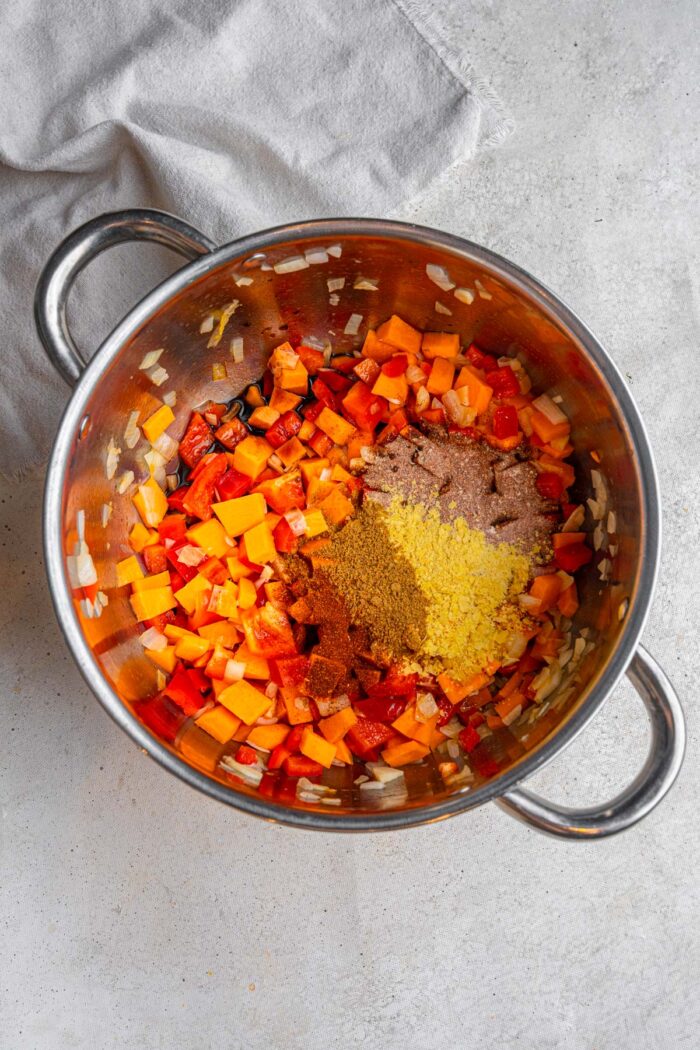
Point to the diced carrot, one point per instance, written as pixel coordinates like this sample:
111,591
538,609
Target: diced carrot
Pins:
439,344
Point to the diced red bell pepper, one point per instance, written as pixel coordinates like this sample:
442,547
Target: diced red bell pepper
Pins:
184,689
197,470
268,383
446,710
188,572
395,366
176,498
214,570
313,410
289,670
162,717
246,755
161,621
287,789
483,763
479,359
367,736
567,509
573,557
364,408
293,741
176,581
503,381
380,710
285,539
311,358
173,527
401,685
367,370
268,785
287,426
469,738
505,422
320,443
202,491
232,433
277,756
339,384
196,440
549,486
155,558
233,484
323,392
301,766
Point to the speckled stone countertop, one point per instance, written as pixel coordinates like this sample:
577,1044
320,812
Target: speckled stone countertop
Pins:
137,914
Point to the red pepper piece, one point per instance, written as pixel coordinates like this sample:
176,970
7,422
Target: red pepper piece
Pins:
196,440
505,422
568,509
268,785
503,381
173,527
366,736
161,621
286,427
268,383
231,434
285,539
380,710
246,755
268,631
213,570
277,756
233,484
469,738
289,670
284,492
446,710
483,763
549,486
395,366
176,581
320,443
363,407
573,557
402,685
287,790
162,717
323,392
202,491
311,358
184,691
339,384
367,370
187,572
176,498
196,471
293,740
312,411
301,766
479,359
155,558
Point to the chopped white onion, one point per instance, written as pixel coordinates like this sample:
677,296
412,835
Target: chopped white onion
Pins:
365,284
124,481
153,639
353,325
316,256
291,265
426,707
166,446
333,299
170,399
325,474
207,325
296,521
439,276
527,601
575,520
158,376
465,295
422,399
236,347
106,514
81,568
440,309
383,773
112,460
267,573
483,294
191,555
234,671
251,774
335,250
335,283
612,521
151,359
242,281
546,406
132,433
271,690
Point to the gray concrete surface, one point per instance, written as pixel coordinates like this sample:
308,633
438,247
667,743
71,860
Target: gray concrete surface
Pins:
138,915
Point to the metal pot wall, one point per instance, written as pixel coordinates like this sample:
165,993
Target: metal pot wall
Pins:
509,312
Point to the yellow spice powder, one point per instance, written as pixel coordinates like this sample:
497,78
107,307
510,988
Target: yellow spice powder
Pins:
470,587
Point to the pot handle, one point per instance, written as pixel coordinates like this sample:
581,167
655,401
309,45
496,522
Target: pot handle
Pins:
646,790
77,250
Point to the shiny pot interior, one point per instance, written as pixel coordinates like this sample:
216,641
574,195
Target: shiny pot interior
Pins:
510,313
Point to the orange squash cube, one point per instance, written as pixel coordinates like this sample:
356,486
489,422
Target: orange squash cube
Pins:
291,452
393,388
187,595
151,503
297,706
211,537
251,455
315,747
147,604
152,583
159,422
404,754
336,726
401,335
336,507
337,428
439,344
283,401
245,701
268,737
375,349
163,658
441,377
242,513
407,725
479,392
259,544
219,723
129,570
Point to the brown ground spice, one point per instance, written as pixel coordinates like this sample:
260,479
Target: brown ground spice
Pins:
378,584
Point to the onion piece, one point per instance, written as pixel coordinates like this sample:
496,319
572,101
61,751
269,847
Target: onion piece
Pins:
170,399
150,359
316,256
158,375
243,281
207,325
112,459
335,283
440,309
106,514
296,521
439,276
291,265
125,481
333,299
464,295
250,774
365,284
353,324
234,671
153,639
482,292
236,348
335,250
546,406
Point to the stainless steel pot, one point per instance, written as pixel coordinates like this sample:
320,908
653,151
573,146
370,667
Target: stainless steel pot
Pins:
510,312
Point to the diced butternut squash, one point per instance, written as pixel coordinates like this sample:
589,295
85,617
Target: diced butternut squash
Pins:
339,473
151,503
247,593
140,537
337,428
545,429
547,590
315,747
187,595
404,754
240,514
312,468
192,648
251,455
263,417
308,429
255,666
567,539
296,379
219,723
317,491
393,388
268,736
456,691
439,344
147,604
480,393
343,753
152,583
163,658
237,570
128,570
297,706
211,537
568,601
407,725
199,748
291,452
336,726
224,600
220,633
259,544
375,349
245,701
336,507
158,423
283,401
315,522
401,335
441,377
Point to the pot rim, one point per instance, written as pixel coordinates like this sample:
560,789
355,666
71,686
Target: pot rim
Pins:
639,600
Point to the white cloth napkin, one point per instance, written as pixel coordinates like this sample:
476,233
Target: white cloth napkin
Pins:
234,114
